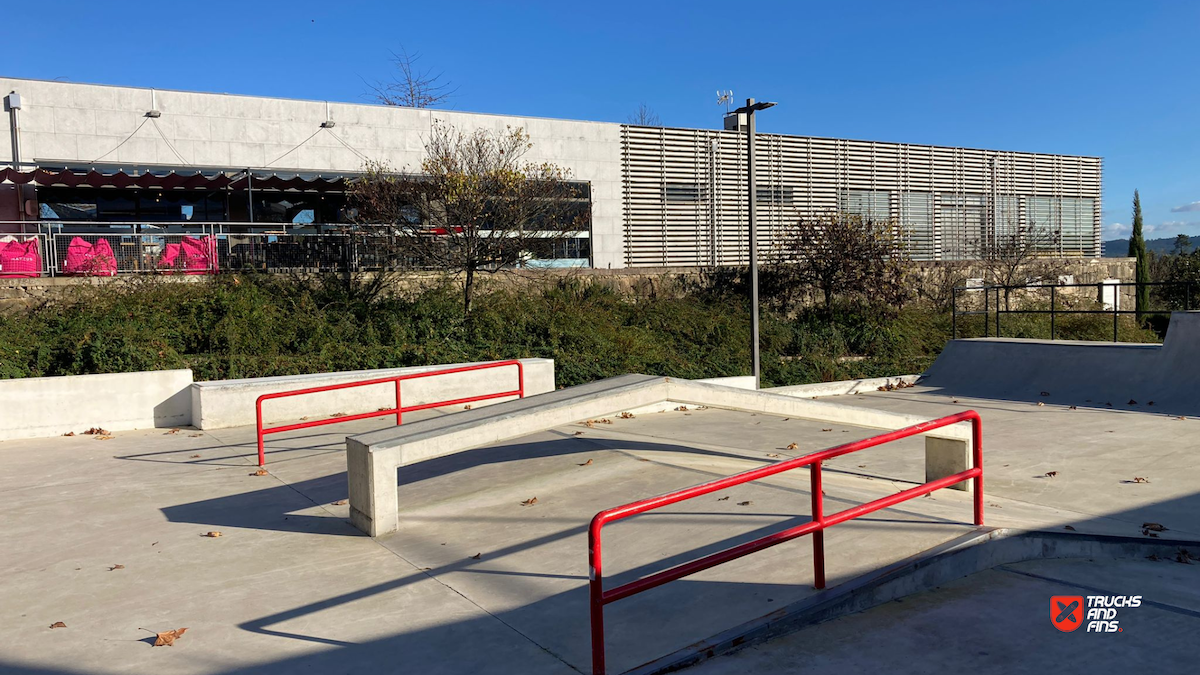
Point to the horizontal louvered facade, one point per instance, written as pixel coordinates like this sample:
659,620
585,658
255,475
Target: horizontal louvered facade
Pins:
685,194
659,196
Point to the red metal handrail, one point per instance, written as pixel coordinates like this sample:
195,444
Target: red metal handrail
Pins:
599,597
398,411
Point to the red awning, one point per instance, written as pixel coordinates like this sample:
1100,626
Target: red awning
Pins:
172,180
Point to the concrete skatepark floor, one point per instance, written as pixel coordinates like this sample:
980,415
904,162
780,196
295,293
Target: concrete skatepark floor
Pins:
475,582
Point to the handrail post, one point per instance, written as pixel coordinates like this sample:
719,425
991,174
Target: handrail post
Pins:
596,596
1116,313
262,455
998,308
987,313
399,421
977,452
1052,289
818,516
520,379
953,313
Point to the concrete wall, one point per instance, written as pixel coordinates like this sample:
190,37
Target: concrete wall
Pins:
68,123
230,403
52,406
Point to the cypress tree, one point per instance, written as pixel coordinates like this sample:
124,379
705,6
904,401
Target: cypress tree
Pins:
1137,249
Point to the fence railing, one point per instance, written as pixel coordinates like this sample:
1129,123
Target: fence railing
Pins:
177,247
816,527
398,410
997,300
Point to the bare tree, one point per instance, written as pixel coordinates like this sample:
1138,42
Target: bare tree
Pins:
644,116
475,206
1020,254
840,254
411,87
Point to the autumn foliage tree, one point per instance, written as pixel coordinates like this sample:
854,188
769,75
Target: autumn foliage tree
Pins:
475,205
840,254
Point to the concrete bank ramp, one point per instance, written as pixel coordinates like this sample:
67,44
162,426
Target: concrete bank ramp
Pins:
1086,374
989,549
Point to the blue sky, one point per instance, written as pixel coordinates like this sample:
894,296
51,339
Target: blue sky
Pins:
1118,80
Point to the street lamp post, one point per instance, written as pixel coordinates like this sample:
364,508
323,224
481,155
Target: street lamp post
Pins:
749,109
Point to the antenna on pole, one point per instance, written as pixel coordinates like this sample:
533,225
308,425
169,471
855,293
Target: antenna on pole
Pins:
725,97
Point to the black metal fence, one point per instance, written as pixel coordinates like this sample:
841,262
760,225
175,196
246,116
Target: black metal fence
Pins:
1103,298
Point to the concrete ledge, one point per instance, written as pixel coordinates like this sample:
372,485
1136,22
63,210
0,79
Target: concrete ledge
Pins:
51,406
372,459
230,403
843,387
955,559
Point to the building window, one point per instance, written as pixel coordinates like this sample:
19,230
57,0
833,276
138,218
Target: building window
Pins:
1076,235
870,204
774,194
963,224
683,192
916,225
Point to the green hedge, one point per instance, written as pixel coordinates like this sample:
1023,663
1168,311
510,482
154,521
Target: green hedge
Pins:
255,326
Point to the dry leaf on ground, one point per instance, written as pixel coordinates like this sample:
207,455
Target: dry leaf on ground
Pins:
104,438
96,431
168,638
827,430
682,408
772,455
1068,527
213,535
116,567
260,472
1051,474
529,502
476,556
793,446
338,414
69,433
626,415
58,624
587,463
578,433
341,502
722,499
1040,404
746,503
1154,527
1140,479
171,432
467,406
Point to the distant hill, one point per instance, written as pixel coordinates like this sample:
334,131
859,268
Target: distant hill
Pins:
1119,248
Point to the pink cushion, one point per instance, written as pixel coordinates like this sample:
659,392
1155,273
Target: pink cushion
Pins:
170,255
199,255
20,259
87,259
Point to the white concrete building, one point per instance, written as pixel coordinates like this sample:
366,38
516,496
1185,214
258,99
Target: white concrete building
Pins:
146,162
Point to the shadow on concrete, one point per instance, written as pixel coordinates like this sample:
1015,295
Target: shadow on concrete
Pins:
275,508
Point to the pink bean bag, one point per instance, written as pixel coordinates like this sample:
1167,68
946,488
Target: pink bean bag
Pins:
89,259
20,259
199,255
170,256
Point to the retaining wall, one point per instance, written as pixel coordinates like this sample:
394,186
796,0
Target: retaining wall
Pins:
35,407
52,406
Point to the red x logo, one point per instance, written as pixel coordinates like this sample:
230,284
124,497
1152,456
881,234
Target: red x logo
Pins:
1066,612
